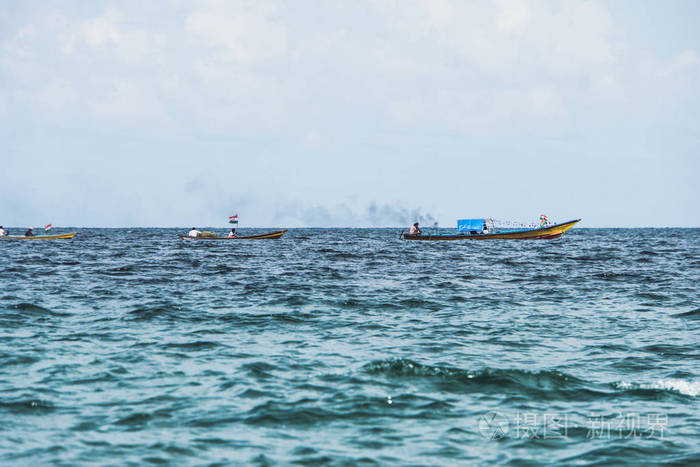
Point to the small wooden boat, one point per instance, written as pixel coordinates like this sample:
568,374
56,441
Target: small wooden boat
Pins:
540,233
265,236
40,237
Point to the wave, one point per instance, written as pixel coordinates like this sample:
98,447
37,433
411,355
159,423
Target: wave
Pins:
289,300
127,270
259,369
420,303
30,309
163,312
192,346
648,253
670,350
687,388
550,383
695,314
30,405
8,359
542,383
265,319
312,411
619,276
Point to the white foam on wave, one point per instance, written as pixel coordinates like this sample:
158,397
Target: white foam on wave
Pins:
689,388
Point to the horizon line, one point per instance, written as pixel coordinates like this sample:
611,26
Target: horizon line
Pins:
319,227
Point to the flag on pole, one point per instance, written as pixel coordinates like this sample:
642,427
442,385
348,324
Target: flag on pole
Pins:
233,219
48,227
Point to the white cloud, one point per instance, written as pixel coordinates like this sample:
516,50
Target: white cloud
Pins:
19,47
216,65
249,36
102,30
513,14
679,64
221,63
314,139
687,58
440,13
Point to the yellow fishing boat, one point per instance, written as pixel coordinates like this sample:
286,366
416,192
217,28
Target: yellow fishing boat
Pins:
265,236
41,237
477,229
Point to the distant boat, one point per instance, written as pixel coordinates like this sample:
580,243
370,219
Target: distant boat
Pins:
40,237
473,229
266,236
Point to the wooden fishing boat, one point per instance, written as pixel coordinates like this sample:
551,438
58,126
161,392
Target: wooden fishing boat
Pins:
265,236
540,233
41,237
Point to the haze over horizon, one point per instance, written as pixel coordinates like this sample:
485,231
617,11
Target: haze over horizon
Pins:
370,113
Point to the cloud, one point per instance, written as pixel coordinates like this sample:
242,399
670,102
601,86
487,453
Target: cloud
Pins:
217,64
246,34
681,63
102,30
214,65
513,15
301,106
314,139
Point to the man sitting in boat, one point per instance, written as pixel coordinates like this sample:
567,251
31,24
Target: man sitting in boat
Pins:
232,234
415,230
29,232
194,232
3,232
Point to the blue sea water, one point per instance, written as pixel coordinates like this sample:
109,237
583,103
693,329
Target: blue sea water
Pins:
350,347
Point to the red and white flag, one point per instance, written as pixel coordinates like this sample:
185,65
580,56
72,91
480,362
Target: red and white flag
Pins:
48,227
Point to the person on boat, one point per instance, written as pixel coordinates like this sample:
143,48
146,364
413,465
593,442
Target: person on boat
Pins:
232,234
29,232
415,230
3,232
194,232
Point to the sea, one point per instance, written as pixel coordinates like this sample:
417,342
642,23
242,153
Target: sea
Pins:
350,347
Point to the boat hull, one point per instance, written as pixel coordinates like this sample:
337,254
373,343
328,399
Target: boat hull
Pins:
544,233
266,236
41,237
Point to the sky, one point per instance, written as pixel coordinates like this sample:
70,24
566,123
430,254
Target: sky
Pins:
336,113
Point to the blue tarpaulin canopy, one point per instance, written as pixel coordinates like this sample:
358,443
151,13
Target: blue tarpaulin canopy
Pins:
466,225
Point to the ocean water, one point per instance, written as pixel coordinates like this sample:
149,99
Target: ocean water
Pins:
351,347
